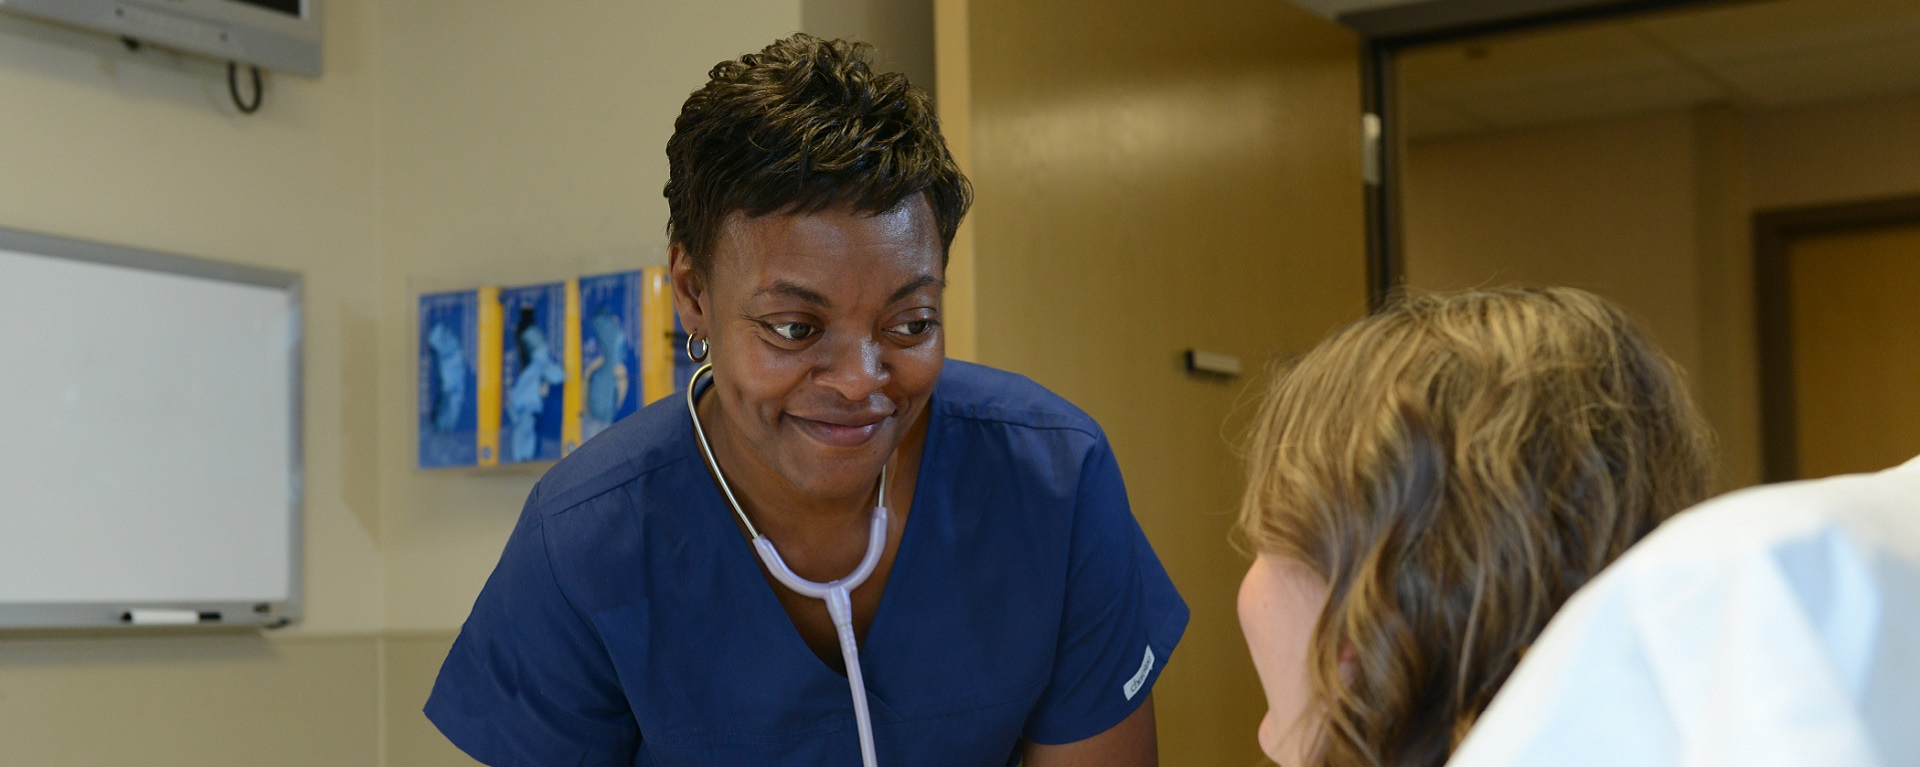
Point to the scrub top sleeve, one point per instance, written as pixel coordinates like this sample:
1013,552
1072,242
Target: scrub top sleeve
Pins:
528,682
1122,615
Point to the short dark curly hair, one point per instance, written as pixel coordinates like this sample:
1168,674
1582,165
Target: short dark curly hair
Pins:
802,126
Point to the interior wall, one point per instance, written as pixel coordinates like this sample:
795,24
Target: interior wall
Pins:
1153,177
1655,212
143,149
508,168
901,32
1835,153
427,157
1612,206
953,65
1727,379
1605,206
176,700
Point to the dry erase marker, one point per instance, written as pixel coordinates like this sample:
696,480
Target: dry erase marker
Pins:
168,617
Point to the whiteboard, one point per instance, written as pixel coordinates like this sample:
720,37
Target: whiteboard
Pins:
149,438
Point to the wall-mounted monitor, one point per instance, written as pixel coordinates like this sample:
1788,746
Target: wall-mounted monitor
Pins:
282,35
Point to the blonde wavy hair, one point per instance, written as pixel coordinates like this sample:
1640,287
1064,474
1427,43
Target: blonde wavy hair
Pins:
1455,466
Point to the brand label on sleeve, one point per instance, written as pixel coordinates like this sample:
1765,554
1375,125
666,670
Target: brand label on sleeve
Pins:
1139,679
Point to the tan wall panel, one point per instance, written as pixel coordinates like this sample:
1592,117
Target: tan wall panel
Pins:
144,150
233,700
1656,213
410,664
1651,212
523,142
1154,177
953,56
1606,206
499,146
1834,153
1727,372
901,32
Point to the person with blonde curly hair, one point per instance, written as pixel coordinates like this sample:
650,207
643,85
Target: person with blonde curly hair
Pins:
1426,487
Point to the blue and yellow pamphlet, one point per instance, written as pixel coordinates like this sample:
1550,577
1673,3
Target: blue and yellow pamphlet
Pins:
539,365
458,381
612,339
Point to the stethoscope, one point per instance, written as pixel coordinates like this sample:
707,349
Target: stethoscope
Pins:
837,593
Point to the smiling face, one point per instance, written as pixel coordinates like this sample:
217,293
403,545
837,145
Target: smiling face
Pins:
826,341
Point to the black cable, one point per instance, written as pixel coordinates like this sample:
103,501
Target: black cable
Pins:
233,87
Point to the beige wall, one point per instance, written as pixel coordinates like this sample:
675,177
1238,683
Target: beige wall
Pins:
901,31
1835,153
1656,213
143,149
1154,177
184,701
1726,380
517,168
1648,211
446,145
1606,206
523,144
953,62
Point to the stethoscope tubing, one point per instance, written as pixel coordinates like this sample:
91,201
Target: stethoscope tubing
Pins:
837,594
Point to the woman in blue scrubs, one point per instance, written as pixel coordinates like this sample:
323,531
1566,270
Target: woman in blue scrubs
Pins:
1016,612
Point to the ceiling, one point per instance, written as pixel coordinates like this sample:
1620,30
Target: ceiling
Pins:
1767,54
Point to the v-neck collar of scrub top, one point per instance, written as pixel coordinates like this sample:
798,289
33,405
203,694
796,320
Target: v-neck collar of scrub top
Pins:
741,561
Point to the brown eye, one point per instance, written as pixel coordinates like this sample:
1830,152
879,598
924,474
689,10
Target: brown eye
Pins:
793,331
914,328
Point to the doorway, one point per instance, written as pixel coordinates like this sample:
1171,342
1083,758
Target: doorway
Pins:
1840,338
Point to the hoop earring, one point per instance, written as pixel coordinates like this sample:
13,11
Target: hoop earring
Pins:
705,348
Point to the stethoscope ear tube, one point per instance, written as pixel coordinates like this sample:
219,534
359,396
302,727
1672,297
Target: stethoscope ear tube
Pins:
837,594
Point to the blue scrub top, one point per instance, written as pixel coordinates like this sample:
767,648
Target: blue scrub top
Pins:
628,621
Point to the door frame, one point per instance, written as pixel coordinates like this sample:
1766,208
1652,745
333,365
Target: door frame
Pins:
1774,232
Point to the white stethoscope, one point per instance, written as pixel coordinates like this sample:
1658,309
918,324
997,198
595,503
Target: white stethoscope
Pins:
837,594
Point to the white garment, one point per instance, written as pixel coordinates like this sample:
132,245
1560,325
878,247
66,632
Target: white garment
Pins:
1774,626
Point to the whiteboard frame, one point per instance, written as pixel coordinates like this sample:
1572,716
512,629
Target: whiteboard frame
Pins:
115,615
